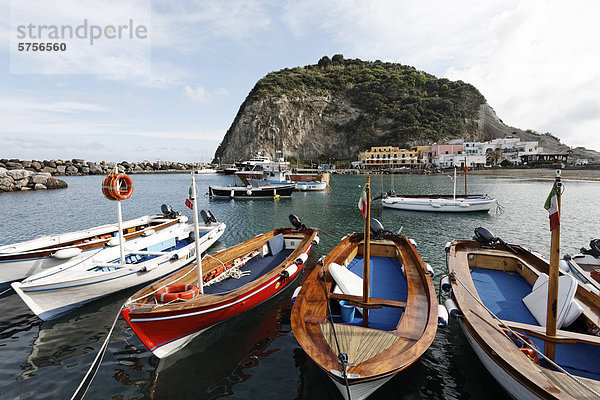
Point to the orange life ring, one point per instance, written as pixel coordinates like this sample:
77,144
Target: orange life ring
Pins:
177,292
117,187
527,350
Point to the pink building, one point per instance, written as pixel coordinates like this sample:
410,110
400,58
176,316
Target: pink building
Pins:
441,149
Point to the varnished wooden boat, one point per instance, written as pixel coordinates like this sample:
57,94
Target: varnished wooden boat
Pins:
402,316
499,277
20,260
252,272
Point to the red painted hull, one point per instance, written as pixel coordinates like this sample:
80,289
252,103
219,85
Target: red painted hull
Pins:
159,329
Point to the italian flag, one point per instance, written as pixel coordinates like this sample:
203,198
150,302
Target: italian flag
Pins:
552,207
362,202
188,202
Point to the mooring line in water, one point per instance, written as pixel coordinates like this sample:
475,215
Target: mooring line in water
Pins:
91,374
5,291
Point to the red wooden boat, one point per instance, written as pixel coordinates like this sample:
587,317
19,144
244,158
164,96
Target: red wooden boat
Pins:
171,312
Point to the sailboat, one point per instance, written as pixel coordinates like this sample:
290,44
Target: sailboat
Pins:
368,310
440,203
502,293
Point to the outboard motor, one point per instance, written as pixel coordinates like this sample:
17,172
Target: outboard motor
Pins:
211,216
296,222
377,229
205,217
594,250
168,212
484,237
487,239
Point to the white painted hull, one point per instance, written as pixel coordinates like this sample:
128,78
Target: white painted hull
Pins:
65,289
359,391
439,205
16,270
508,383
311,186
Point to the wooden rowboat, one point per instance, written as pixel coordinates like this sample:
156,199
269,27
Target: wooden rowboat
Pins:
399,314
234,280
497,278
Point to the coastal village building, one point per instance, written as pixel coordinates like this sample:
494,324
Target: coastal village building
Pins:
389,157
457,153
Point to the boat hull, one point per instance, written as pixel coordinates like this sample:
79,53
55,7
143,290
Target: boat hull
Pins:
460,205
506,380
21,260
49,300
311,186
163,337
241,192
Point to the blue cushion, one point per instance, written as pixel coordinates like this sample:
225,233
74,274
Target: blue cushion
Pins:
276,244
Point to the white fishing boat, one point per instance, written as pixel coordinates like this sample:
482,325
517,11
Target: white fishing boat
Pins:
20,260
58,290
440,203
585,266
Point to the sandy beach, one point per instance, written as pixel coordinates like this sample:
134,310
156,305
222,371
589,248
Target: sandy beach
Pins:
540,173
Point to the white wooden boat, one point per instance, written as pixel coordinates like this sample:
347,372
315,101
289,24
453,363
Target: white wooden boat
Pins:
440,203
58,290
20,260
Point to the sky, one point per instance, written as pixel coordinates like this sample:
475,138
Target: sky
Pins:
172,93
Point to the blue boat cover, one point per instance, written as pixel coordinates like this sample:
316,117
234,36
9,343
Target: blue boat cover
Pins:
502,292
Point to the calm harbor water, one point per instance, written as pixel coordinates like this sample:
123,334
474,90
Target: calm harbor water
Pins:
256,355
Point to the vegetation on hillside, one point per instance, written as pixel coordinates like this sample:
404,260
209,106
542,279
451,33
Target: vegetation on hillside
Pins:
397,104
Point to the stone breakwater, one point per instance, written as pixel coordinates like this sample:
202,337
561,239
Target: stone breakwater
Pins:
16,175
78,166
20,179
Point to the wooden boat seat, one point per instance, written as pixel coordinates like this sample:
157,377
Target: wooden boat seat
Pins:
373,302
562,336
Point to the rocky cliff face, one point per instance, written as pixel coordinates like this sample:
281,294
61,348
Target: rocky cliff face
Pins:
337,109
301,127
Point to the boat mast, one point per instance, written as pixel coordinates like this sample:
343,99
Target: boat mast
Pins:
196,235
465,170
367,255
454,180
550,348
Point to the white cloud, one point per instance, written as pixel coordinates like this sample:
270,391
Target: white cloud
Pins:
535,61
201,95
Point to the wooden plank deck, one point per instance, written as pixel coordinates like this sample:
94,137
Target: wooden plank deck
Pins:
570,386
360,344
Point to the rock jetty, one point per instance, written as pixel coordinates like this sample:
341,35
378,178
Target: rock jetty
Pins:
18,175
20,179
79,166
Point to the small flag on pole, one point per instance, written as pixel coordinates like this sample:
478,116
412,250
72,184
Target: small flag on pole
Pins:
362,202
188,202
552,207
